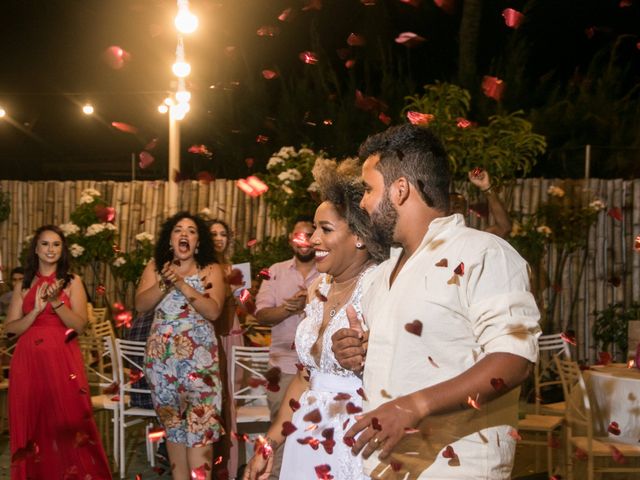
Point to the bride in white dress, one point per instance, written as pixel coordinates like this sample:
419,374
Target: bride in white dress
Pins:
323,398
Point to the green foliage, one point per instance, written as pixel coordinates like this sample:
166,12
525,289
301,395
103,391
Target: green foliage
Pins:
291,183
530,238
611,326
264,254
128,266
505,147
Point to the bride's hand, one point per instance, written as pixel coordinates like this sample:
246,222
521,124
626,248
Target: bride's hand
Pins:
258,468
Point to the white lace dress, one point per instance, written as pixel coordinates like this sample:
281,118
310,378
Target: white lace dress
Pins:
327,408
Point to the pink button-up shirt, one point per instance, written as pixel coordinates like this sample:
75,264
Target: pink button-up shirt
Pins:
285,281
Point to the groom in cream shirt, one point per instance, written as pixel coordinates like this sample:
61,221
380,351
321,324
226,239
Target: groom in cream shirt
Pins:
452,325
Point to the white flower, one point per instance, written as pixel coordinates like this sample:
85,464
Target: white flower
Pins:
90,191
76,250
86,199
286,152
274,162
543,229
94,229
292,174
28,238
516,229
287,189
597,205
119,261
555,191
141,237
69,228
110,226
314,187
306,151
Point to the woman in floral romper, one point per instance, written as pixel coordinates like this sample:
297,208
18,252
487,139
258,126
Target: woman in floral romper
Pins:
185,286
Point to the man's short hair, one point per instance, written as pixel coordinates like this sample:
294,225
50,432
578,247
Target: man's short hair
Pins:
301,218
415,153
18,270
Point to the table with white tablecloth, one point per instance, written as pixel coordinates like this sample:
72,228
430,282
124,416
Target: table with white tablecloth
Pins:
614,391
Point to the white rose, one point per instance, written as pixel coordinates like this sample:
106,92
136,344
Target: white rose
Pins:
274,162
306,151
543,229
76,250
119,261
286,152
91,192
314,187
294,174
86,199
69,228
141,237
94,229
597,205
28,238
287,189
110,226
555,191
282,176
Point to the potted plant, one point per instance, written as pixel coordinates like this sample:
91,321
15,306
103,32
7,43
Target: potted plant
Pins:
610,329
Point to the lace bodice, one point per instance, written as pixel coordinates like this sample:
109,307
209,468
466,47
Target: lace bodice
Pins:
307,332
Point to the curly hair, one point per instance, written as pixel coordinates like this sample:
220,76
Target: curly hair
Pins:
225,225
415,153
32,262
340,185
206,253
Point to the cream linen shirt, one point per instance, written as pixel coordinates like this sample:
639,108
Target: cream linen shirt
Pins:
469,292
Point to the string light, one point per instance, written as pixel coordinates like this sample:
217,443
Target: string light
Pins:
186,22
87,109
162,108
3,112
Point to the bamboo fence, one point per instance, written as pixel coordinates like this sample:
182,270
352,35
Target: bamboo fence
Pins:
611,271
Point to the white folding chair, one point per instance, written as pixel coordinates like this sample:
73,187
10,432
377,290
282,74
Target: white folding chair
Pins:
253,363
129,355
580,434
541,422
98,354
6,352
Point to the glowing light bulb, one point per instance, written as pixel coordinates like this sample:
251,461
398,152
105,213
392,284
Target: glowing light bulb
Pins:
163,108
183,96
168,101
180,111
185,21
181,69
87,109
3,112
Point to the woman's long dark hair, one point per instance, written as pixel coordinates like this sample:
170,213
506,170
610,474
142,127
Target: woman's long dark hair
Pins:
32,262
206,252
225,254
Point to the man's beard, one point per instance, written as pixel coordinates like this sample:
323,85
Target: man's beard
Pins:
304,258
383,223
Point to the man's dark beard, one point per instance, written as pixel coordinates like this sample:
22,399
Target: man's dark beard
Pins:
383,223
306,257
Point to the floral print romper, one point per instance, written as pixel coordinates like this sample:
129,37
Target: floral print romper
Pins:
182,368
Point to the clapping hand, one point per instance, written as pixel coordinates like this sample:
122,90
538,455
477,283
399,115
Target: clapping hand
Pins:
259,467
349,345
170,273
296,303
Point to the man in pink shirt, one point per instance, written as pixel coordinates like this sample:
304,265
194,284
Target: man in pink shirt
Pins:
280,304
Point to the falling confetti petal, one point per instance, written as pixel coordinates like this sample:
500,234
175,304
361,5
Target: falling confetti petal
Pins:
116,57
375,424
265,274
30,450
636,244
341,397
448,452
360,392
322,472
604,358
448,6
269,74
569,337
473,402
513,433
443,263
301,240
288,428
355,40
200,150
205,177
353,408
492,87
615,213
313,416
454,280
156,434
105,214
350,63
384,118
123,319
294,404
417,118
200,473
146,159
125,127
262,139
285,15
308,57
312,5
369,104
512,18
581,454
498,384
463,122
409,39
459,270
414,327
617,455
268,31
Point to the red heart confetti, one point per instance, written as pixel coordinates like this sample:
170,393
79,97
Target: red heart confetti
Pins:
454,280
513,433
604,358
383,117
473,402
375,424
396,466
269,74
156,434
417,118
105,214
617,455
341,397
512,18
313,416
355,40
146,159
443,263
360,392
569,337
459,270
493,87
581,454
294,404
308,57
100,289
124,127
288,428
267,31
385,394
200,473
615,213
265,274
30,450
322,472
448,452
116,57
414,327
409,39
463,123
111,389
312,5
353,408
349,441
498,384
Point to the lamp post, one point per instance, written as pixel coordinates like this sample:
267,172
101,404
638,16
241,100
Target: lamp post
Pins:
174,160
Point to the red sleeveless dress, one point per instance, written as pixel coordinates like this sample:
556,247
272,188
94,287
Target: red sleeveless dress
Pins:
52,431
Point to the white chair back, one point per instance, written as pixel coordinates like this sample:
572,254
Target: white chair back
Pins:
253,363
545,373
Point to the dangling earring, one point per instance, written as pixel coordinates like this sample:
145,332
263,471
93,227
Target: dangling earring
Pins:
196,250
358,245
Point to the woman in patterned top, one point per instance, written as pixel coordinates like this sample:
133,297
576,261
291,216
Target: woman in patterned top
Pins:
185,286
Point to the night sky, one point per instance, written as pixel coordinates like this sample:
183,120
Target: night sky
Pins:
54,62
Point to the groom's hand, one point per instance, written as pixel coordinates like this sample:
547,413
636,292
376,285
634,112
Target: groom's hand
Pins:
349,345
382,428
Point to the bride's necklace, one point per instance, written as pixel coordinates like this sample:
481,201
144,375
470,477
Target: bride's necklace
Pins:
337,294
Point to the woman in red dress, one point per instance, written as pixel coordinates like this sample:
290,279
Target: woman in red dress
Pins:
53,434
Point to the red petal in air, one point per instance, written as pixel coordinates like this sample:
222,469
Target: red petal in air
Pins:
498,384
308,57
341,397
417,118
146,159
569,337
288,428
353,408
124,127
105,214
512,18
493,87
285,15
409,39
313,416
384,118
463,123
294,404
69,335
269,74
312,5
322,472
414,327
355,40
443,263
360,392
267,31
459,270
264,274
615,213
